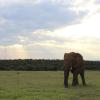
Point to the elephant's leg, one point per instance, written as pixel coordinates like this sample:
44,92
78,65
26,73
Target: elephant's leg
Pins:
75,78
82,77
77,83
77,72
66,74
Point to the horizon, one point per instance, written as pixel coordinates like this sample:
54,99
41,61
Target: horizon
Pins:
46,59
46,29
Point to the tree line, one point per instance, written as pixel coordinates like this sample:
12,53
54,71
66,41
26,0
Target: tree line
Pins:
41,65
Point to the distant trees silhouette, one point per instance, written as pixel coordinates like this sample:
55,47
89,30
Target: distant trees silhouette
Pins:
41,65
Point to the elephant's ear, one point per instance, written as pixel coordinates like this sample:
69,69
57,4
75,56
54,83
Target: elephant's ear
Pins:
65,56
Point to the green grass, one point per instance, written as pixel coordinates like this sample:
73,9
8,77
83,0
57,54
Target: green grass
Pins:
48,85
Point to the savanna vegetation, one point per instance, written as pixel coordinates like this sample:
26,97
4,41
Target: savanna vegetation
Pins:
41,65
43,80
46,85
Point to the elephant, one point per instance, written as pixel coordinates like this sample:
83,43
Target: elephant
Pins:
73,62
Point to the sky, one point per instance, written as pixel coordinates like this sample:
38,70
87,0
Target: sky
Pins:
46,29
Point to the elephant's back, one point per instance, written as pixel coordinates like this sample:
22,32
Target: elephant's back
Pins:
73,58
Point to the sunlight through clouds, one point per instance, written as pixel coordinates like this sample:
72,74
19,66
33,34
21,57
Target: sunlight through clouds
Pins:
17,51
47,29
11,52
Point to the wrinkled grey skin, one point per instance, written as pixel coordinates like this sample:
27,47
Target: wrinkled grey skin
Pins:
73,62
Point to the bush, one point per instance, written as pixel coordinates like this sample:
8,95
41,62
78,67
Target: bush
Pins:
41,65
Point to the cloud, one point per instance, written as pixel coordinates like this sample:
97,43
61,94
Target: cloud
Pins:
19,17
48,28
44,15
5,3
49,45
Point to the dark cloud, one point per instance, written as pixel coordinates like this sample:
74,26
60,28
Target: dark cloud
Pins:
43,15
22,18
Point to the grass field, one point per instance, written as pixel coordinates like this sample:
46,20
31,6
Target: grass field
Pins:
48,85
